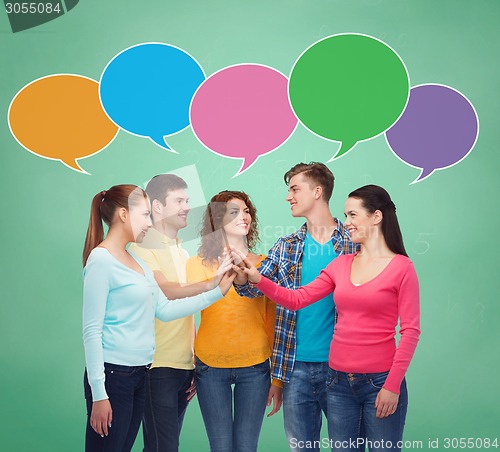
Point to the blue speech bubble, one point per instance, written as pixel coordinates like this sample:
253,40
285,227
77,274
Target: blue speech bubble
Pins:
146,90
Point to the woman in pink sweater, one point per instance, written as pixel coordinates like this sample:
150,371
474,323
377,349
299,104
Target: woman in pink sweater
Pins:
373,289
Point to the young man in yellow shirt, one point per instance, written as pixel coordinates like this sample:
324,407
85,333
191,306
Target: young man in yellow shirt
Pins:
170,381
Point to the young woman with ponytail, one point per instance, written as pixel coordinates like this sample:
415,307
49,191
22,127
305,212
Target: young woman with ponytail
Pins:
120,301
366,389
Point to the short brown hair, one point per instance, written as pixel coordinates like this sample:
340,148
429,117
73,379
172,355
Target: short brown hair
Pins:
317,173
159,186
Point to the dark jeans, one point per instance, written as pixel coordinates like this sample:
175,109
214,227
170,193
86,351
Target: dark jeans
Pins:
166,403
125,386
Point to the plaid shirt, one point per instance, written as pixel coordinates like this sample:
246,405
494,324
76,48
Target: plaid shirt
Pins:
283,265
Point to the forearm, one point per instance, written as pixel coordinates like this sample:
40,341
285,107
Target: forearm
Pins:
402,358
409,320
95,296
277,383
95,370
167,310
298,298
247,290
173,291
291,299
94,356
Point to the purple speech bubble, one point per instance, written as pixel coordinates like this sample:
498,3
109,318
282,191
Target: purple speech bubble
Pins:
243,112
437,130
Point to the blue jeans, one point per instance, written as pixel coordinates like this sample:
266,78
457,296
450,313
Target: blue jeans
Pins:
304,401
125,386
228,431
166,403
352,424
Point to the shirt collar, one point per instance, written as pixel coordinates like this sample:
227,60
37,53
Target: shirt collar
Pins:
154,236
339,230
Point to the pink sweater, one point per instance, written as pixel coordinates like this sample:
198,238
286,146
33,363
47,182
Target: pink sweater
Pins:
364,336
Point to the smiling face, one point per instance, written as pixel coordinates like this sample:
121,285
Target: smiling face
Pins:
302,195
360,223
139,219
237,219
175,211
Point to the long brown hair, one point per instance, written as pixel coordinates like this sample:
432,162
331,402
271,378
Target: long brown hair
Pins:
103,208
375,198
212,240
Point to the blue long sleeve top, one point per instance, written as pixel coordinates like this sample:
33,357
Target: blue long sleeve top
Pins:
119,307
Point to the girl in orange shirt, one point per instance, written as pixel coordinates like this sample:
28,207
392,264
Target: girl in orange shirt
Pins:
235,337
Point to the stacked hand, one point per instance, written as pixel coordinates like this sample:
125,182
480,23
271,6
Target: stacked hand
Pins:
225,275
244,269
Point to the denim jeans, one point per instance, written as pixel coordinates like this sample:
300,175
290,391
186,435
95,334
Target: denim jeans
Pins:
228,431
166,403
352,424
304,401
125,386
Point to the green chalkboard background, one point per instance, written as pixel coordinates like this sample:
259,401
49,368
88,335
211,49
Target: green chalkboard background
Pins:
449,220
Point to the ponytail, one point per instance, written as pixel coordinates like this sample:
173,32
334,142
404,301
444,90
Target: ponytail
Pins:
103,208
95,231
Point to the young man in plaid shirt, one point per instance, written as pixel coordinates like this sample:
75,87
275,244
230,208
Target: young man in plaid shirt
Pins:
302,339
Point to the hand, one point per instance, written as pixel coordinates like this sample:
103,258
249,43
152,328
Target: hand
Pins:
241,278
386,403
227,282
225,264
101,417
244,268
191,391
276,396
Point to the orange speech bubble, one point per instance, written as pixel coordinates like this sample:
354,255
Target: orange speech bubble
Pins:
60,117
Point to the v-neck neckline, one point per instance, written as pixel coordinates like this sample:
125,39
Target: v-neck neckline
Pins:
327,243
143,274
374,278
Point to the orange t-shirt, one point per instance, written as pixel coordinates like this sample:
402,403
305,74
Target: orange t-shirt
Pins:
235,331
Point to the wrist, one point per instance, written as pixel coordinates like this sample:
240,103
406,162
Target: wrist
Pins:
257,279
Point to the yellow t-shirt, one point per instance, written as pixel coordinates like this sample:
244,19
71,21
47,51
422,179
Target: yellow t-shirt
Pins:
235,331
175,339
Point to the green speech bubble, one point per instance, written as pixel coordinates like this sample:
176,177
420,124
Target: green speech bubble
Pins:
349,88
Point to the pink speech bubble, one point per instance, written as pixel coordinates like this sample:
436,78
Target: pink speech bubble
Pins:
243,112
